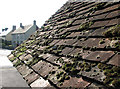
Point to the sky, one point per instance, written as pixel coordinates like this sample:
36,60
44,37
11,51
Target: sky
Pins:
14,12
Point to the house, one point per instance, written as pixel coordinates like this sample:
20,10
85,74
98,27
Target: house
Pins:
8,36
23,33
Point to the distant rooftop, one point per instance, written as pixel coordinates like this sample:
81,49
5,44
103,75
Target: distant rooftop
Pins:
22,30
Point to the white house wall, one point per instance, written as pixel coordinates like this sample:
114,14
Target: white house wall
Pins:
23,36
30,32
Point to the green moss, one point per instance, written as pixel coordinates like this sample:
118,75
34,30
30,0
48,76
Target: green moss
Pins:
78,56
85,25
108,72
116,82
97,7
61,47
116,69
61,79
19,54
117,45
101,42
87,69
69,23
74,59
57,51
47,42
60,30
107,80
93,64
102,66
31,41
61,60
17,63
23,49
71,15
12,59
33,62
113,31
85,66
61,73
67,77
61,76
65,35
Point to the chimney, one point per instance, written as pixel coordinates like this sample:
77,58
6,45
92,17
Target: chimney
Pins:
14,28
21,26
34,22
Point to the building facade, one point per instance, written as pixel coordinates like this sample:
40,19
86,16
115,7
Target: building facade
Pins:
23,33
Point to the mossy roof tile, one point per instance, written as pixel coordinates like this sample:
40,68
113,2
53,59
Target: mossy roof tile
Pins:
72,48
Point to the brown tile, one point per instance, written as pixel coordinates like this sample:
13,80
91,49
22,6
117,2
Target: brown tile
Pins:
43,68
24,70
73,28
61,42
52,59
76,51
99,56
99,24
106,9
10,56
66,51
78,22
115,60
113,14
40,83
113,22
25,57
98,32
75,83
70,41
96,86
102,16
31,77
54,42
73,34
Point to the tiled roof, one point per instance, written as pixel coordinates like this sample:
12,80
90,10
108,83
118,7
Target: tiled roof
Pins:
22,30
79,47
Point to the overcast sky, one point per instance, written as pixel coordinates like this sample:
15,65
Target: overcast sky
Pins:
14,12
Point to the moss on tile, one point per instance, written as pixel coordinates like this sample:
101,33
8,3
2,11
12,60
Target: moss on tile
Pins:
19,54
112,31
18,63
23,49
116,83
117,45
85,26
33,61
12,59
47,42
97,7
65,35
101,42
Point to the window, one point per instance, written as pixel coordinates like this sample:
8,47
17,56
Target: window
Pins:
18,36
